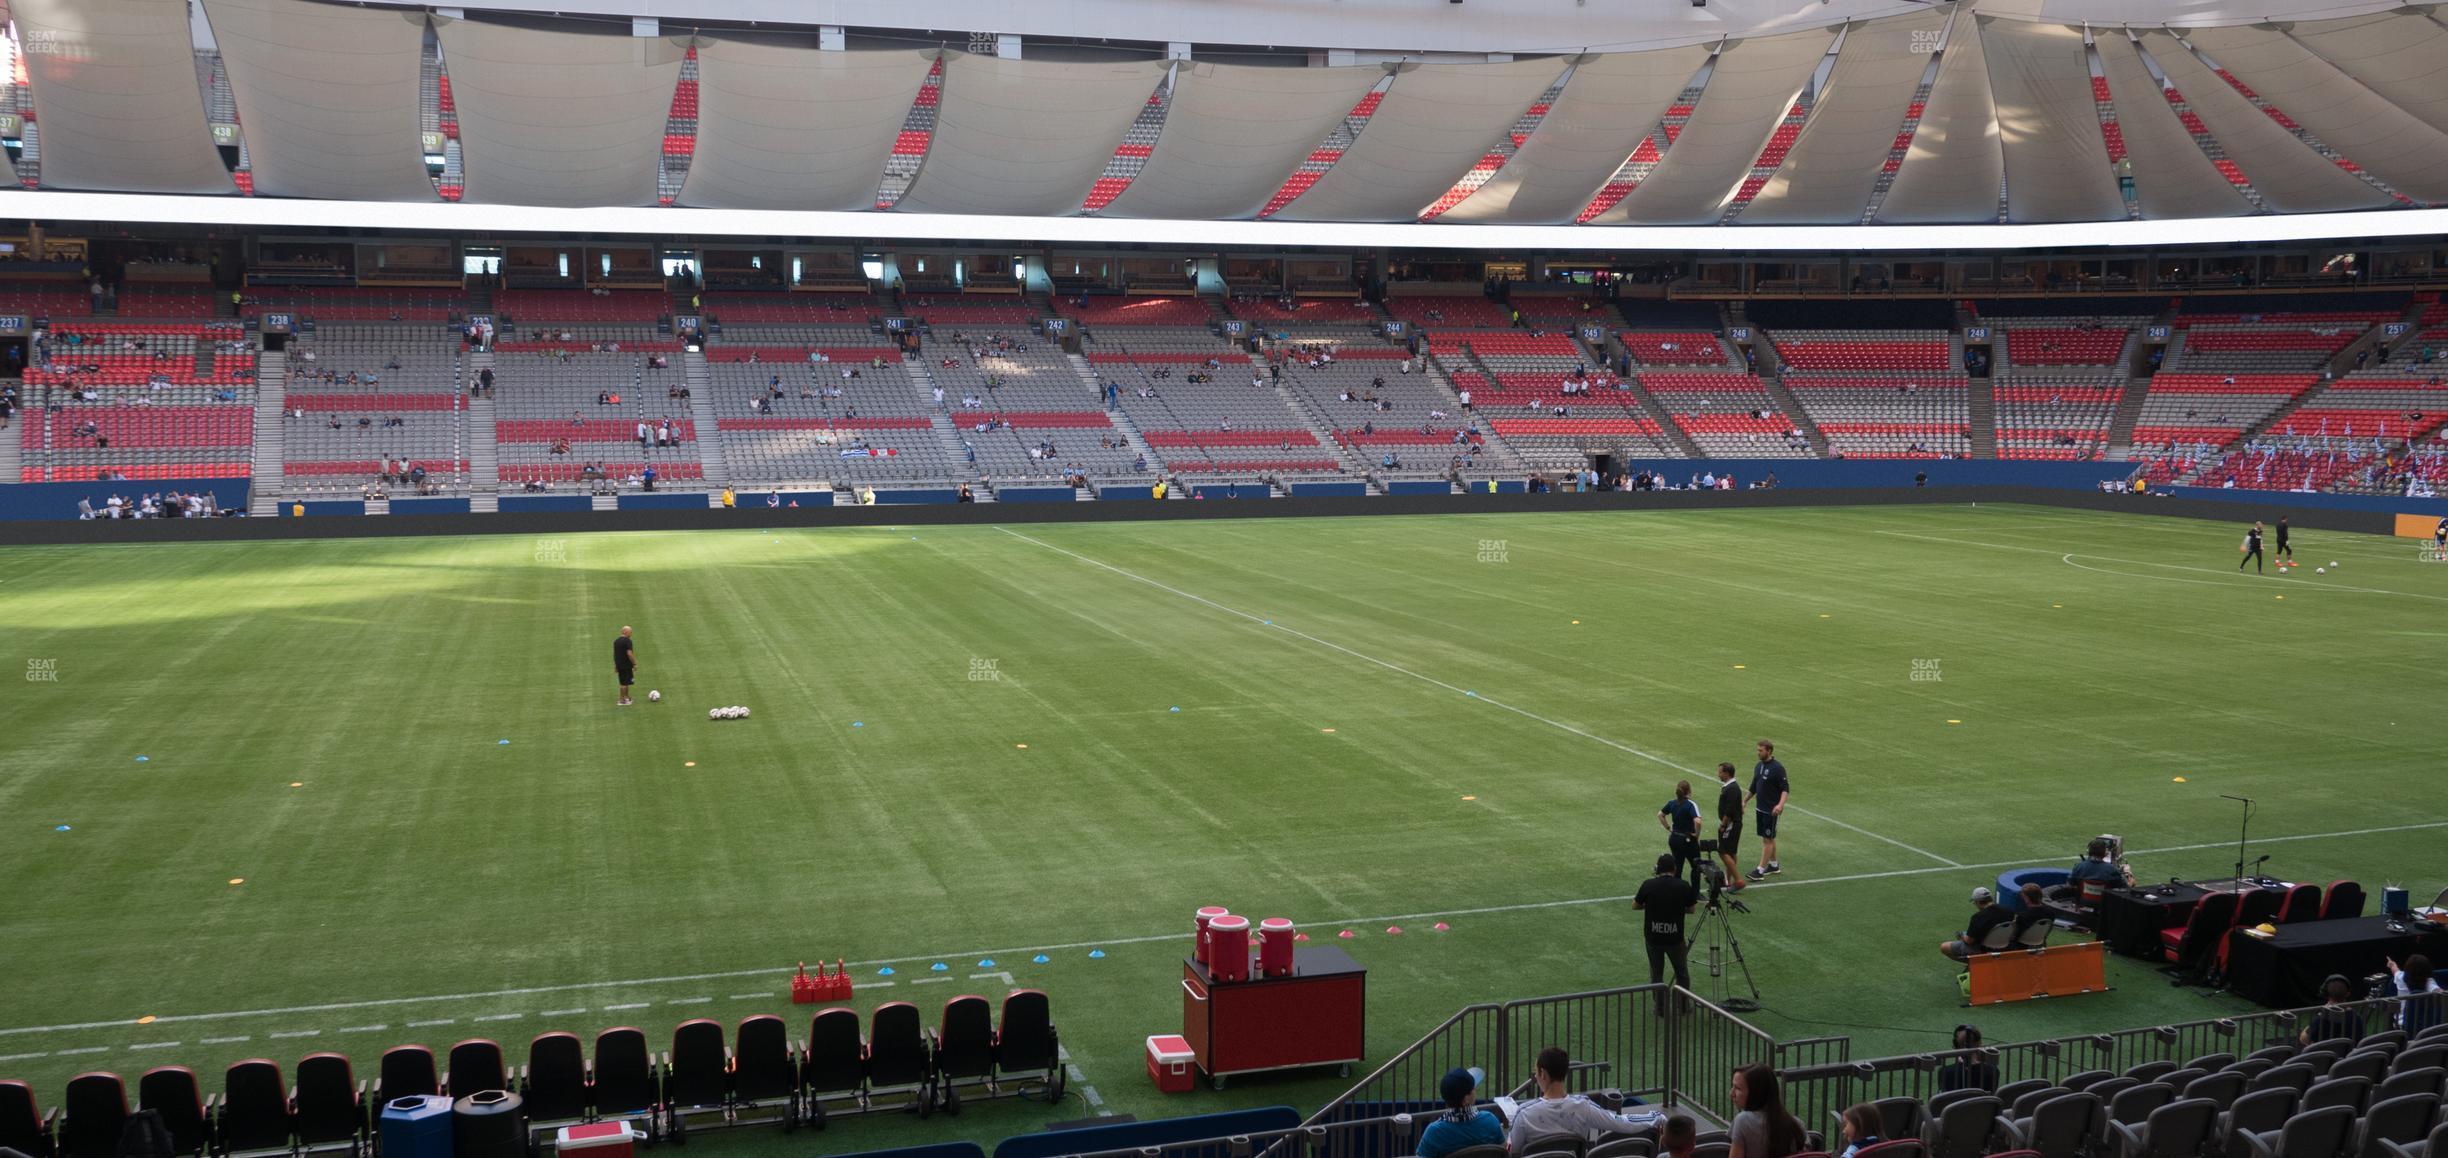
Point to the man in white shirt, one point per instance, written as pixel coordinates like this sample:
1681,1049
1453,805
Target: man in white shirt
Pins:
1556,1112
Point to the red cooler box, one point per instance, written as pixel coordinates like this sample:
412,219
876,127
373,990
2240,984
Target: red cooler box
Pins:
1170,1061
1314,1016
598,1140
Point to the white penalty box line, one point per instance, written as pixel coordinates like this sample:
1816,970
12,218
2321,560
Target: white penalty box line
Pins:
1398,669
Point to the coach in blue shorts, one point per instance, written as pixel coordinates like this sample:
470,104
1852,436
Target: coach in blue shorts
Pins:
1768,792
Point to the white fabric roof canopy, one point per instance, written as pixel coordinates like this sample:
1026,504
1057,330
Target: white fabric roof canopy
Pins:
1954,167
2048,124
1610,103
1834,166
1434,123
2291,177
783,127
2172,178
2360,124
1749,89
328,96
1234,132
559,118
1026,136
115,95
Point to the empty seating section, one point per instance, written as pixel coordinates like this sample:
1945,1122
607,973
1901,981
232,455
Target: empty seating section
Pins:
1298,311
1092,310
983,310
1507,343
1726,415
1674,348
2060,420
753,1072
856,418
141,300
1450,313
46,299
1903,416
357,303
1224,427
737,309
1013,397
2044,341
554,419
137,400
1899,351
1372,407
532,307
2244,347
2189,417
408,393
1564,309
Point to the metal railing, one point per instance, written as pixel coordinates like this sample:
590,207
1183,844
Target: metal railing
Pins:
1814,1091
1653,1042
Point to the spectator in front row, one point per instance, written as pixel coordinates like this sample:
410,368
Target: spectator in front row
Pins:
1861,1128
1556,1112
1678,1137
1762,1127
2333,1020
1464,1124
1989,915
2422,1007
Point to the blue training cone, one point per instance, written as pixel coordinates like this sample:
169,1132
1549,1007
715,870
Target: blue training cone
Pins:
142,759
939,967
886,971
1039,959
1096,954
988,963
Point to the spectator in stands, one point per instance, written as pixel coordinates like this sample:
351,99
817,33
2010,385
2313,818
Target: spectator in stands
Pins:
647,478
1861,1128
2334,1019
2422,1008
643,437
1557,1112
1987,914
1762,1128
1463,1125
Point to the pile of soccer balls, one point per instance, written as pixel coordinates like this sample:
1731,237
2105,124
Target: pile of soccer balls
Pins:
730,713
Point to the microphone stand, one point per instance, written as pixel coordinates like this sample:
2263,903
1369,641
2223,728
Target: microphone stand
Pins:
2242,833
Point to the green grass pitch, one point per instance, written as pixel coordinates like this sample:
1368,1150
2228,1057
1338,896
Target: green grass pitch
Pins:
965,747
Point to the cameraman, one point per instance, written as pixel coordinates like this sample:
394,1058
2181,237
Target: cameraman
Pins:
1664,900
1681,820
1729,825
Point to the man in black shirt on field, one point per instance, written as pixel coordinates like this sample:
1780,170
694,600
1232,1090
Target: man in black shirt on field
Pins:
624,665
1769,789
2284,556
1991,915
1681,820
2251,549
1729,824
1664,901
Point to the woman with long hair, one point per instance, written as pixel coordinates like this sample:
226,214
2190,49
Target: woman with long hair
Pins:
1763,1128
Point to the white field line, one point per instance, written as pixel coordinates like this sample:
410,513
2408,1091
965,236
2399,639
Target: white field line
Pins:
1392,918
1398,669
2295,582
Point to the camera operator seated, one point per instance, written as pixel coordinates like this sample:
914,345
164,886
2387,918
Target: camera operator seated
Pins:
1991,930
2095,873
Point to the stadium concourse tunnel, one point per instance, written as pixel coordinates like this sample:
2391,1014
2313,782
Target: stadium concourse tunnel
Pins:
2357,514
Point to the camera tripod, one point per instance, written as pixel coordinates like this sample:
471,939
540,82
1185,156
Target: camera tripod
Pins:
1716,927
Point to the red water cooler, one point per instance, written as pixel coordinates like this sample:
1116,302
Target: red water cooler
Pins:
1200,921
1228,948
1275,947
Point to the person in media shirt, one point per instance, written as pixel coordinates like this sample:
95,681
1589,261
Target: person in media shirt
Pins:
624,665
1664,900
2251,549
1769,788
1729,824
1681,820
2284,556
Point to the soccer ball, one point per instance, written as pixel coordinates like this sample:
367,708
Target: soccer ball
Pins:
654,696
2333,562
2320,570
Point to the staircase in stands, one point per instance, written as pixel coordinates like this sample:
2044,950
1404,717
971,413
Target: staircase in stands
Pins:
2339,364
1980,397
1668,433
2137,390
1794,413
12,450
948,435
1322,428
1120,418
484,456
271,436
701,413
